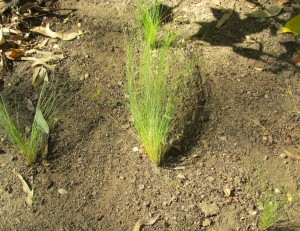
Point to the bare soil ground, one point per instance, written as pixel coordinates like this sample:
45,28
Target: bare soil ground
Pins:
249,112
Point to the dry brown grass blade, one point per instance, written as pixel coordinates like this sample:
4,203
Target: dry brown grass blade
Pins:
26,189
143,222
291,154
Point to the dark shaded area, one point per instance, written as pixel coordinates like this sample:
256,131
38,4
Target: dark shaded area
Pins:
232,32
285,227
166,13
235,30
195,118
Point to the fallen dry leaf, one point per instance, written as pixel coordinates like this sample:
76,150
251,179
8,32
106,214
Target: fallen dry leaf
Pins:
29,105
291,154
39,75
145,222
181,176
7,31
228,191
42,58
268,12
14,54
46,31
26,189
44,43
62,191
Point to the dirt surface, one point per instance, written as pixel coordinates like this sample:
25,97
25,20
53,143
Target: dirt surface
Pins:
231,159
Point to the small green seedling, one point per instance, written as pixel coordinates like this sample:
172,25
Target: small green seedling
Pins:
96,95
274,208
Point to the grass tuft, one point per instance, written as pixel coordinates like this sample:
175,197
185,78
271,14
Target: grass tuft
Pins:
149,20
153,86
44,113
274,208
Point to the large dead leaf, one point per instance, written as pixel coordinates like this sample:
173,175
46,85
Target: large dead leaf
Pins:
14,54
142,222
268,12
7,31
42,58
49,33
39,75
26,189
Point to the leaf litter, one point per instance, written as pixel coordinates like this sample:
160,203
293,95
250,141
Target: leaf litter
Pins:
46,31
16,44
145,222
267,12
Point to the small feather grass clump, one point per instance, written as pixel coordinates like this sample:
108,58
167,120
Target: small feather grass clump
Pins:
44,117
153,85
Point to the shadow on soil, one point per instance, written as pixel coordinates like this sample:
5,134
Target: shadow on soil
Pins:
194,120
235,30
286,228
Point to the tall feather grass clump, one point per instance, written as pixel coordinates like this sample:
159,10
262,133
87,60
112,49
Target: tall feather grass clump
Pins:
43,118
149,17
153,86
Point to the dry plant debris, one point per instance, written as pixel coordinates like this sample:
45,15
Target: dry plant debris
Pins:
227,14
49,33
268,12
145,222
26,189
16,36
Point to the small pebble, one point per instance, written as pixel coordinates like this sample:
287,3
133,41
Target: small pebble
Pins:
135,149
141,187
223,138
277,191
283,155
207,222
210,178
252,212
86,75
265,138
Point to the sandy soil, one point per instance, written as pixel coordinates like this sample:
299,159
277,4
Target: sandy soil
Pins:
249,112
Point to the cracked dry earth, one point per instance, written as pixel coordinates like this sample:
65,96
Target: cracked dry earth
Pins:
230,159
